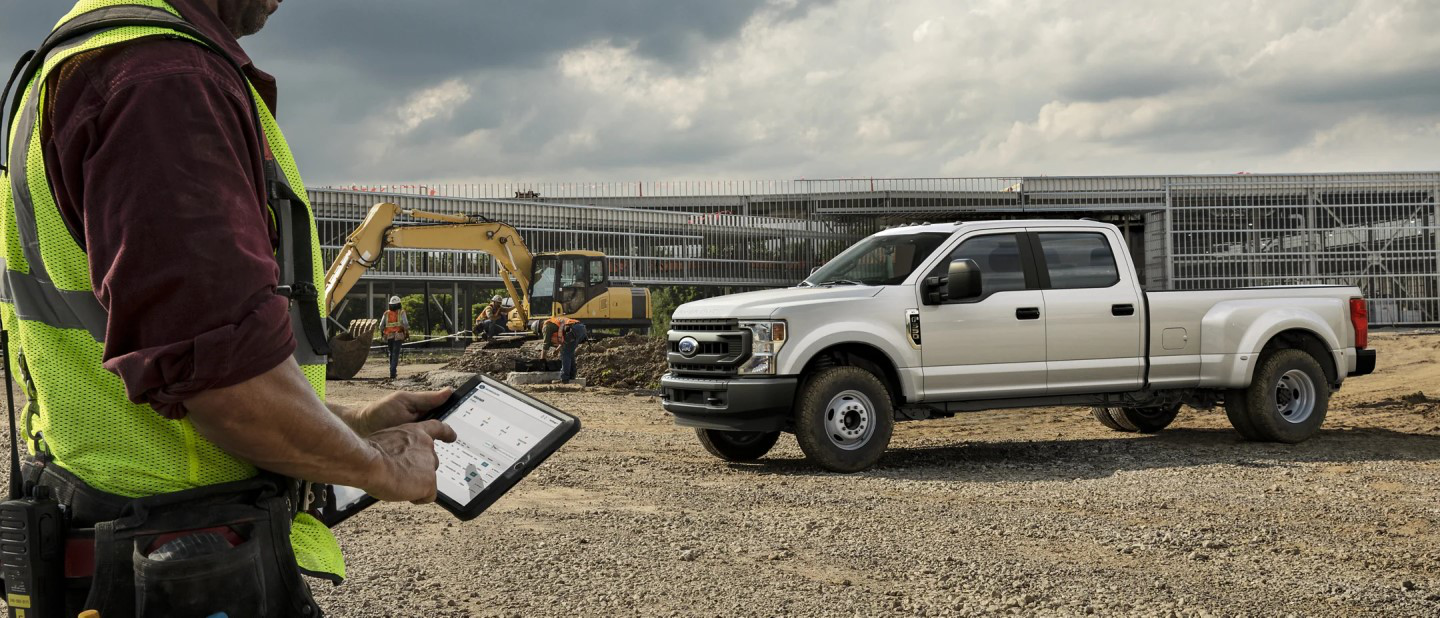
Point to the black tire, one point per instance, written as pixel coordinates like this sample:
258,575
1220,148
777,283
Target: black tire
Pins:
1144,420
1286,401
737,445
844,419
1103,415
1238,414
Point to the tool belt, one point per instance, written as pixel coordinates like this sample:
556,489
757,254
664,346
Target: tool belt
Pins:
219,548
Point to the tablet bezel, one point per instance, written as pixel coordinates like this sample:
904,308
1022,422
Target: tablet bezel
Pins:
569,426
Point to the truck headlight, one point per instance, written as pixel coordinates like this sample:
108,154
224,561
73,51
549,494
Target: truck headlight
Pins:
766,339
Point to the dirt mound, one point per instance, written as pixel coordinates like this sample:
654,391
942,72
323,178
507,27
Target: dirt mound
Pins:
631,361
1414,401
496,363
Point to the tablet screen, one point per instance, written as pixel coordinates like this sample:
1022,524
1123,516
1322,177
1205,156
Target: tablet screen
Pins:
494,431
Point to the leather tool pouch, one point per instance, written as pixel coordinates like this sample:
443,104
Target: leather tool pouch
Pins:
222,548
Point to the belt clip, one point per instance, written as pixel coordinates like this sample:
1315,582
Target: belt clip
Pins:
302,290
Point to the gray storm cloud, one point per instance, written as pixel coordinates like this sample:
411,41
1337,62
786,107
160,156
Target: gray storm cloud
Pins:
457,91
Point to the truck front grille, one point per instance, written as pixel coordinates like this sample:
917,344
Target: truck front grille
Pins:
704,326
723,347
710,347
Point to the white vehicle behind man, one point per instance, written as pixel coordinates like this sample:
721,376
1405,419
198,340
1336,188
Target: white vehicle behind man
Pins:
926,321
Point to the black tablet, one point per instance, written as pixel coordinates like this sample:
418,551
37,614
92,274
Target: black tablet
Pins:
503,434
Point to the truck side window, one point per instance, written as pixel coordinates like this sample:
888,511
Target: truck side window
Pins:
998,256
1079,260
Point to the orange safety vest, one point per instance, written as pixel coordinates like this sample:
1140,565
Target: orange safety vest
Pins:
392,322
560,324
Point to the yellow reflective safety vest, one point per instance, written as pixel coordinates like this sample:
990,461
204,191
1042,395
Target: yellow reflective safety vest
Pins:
57,326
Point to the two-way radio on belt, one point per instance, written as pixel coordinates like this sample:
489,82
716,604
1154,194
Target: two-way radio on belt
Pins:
32,531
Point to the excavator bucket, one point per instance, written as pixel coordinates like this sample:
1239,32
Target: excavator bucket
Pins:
350,348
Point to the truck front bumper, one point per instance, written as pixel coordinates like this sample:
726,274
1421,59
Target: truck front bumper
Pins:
734,404
1364,362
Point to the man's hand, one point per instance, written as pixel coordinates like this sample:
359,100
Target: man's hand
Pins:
395,409
406,464
276,422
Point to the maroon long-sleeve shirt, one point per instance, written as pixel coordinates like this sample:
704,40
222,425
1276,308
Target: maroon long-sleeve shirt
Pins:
155,161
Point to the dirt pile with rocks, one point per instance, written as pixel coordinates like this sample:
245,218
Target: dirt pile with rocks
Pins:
631,361
496,363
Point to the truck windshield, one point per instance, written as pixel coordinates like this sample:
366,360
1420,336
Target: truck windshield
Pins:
878,260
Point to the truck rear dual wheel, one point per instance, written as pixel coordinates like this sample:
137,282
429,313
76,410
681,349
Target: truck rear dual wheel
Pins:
1143,420
844,418
737,445
1285,402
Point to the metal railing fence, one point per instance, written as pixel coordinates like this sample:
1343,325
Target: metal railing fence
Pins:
1377,230
1380,237
645,246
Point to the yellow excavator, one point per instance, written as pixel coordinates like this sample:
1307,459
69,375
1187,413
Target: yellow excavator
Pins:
573,284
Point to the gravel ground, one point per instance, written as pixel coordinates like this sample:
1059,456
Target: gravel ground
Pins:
1026,512
1033,512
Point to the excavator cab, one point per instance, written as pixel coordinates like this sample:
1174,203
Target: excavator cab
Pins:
566,282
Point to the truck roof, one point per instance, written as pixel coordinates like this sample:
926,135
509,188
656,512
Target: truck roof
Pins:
980,225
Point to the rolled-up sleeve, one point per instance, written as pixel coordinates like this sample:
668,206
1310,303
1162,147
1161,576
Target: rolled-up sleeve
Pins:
164,169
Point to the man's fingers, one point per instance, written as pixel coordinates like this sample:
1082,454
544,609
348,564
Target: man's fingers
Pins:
435,398
438,430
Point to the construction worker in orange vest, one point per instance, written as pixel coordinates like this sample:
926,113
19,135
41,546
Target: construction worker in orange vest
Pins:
397,330
566,334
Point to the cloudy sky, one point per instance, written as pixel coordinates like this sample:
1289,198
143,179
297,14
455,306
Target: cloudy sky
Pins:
611,90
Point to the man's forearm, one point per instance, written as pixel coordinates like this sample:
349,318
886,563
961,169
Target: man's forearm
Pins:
276,422
350,416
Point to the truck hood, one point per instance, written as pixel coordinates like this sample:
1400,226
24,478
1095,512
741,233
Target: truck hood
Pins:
769,303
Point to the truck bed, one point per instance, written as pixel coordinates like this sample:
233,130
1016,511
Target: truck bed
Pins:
1209,338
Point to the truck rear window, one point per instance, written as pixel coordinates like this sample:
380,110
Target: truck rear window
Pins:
1079,260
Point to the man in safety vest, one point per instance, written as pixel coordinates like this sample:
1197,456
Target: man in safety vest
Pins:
492,318
565,334
168,349
397,330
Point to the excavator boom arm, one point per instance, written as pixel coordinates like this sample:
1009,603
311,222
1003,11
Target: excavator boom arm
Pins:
378,232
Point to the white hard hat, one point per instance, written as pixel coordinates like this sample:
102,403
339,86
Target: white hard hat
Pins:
496,298
394,300
508,302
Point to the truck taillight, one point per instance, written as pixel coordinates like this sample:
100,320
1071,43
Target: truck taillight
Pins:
1360,319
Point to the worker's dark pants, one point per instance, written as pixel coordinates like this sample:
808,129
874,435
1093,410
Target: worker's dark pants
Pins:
394,345
490,328
573,339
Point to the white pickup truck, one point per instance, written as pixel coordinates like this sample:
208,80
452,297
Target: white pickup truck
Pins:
925,321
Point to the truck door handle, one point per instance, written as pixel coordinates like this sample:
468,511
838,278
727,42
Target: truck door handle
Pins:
1122,310
1027,313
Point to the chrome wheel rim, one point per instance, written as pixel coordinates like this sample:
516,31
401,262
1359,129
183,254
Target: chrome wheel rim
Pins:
1295,396
849,420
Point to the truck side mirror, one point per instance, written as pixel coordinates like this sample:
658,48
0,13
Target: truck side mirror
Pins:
964,280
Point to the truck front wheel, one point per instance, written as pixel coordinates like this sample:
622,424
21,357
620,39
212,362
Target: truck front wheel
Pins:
1285,402
843,419
737,445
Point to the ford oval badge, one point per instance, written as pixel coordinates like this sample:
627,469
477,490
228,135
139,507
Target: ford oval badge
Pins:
688,347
